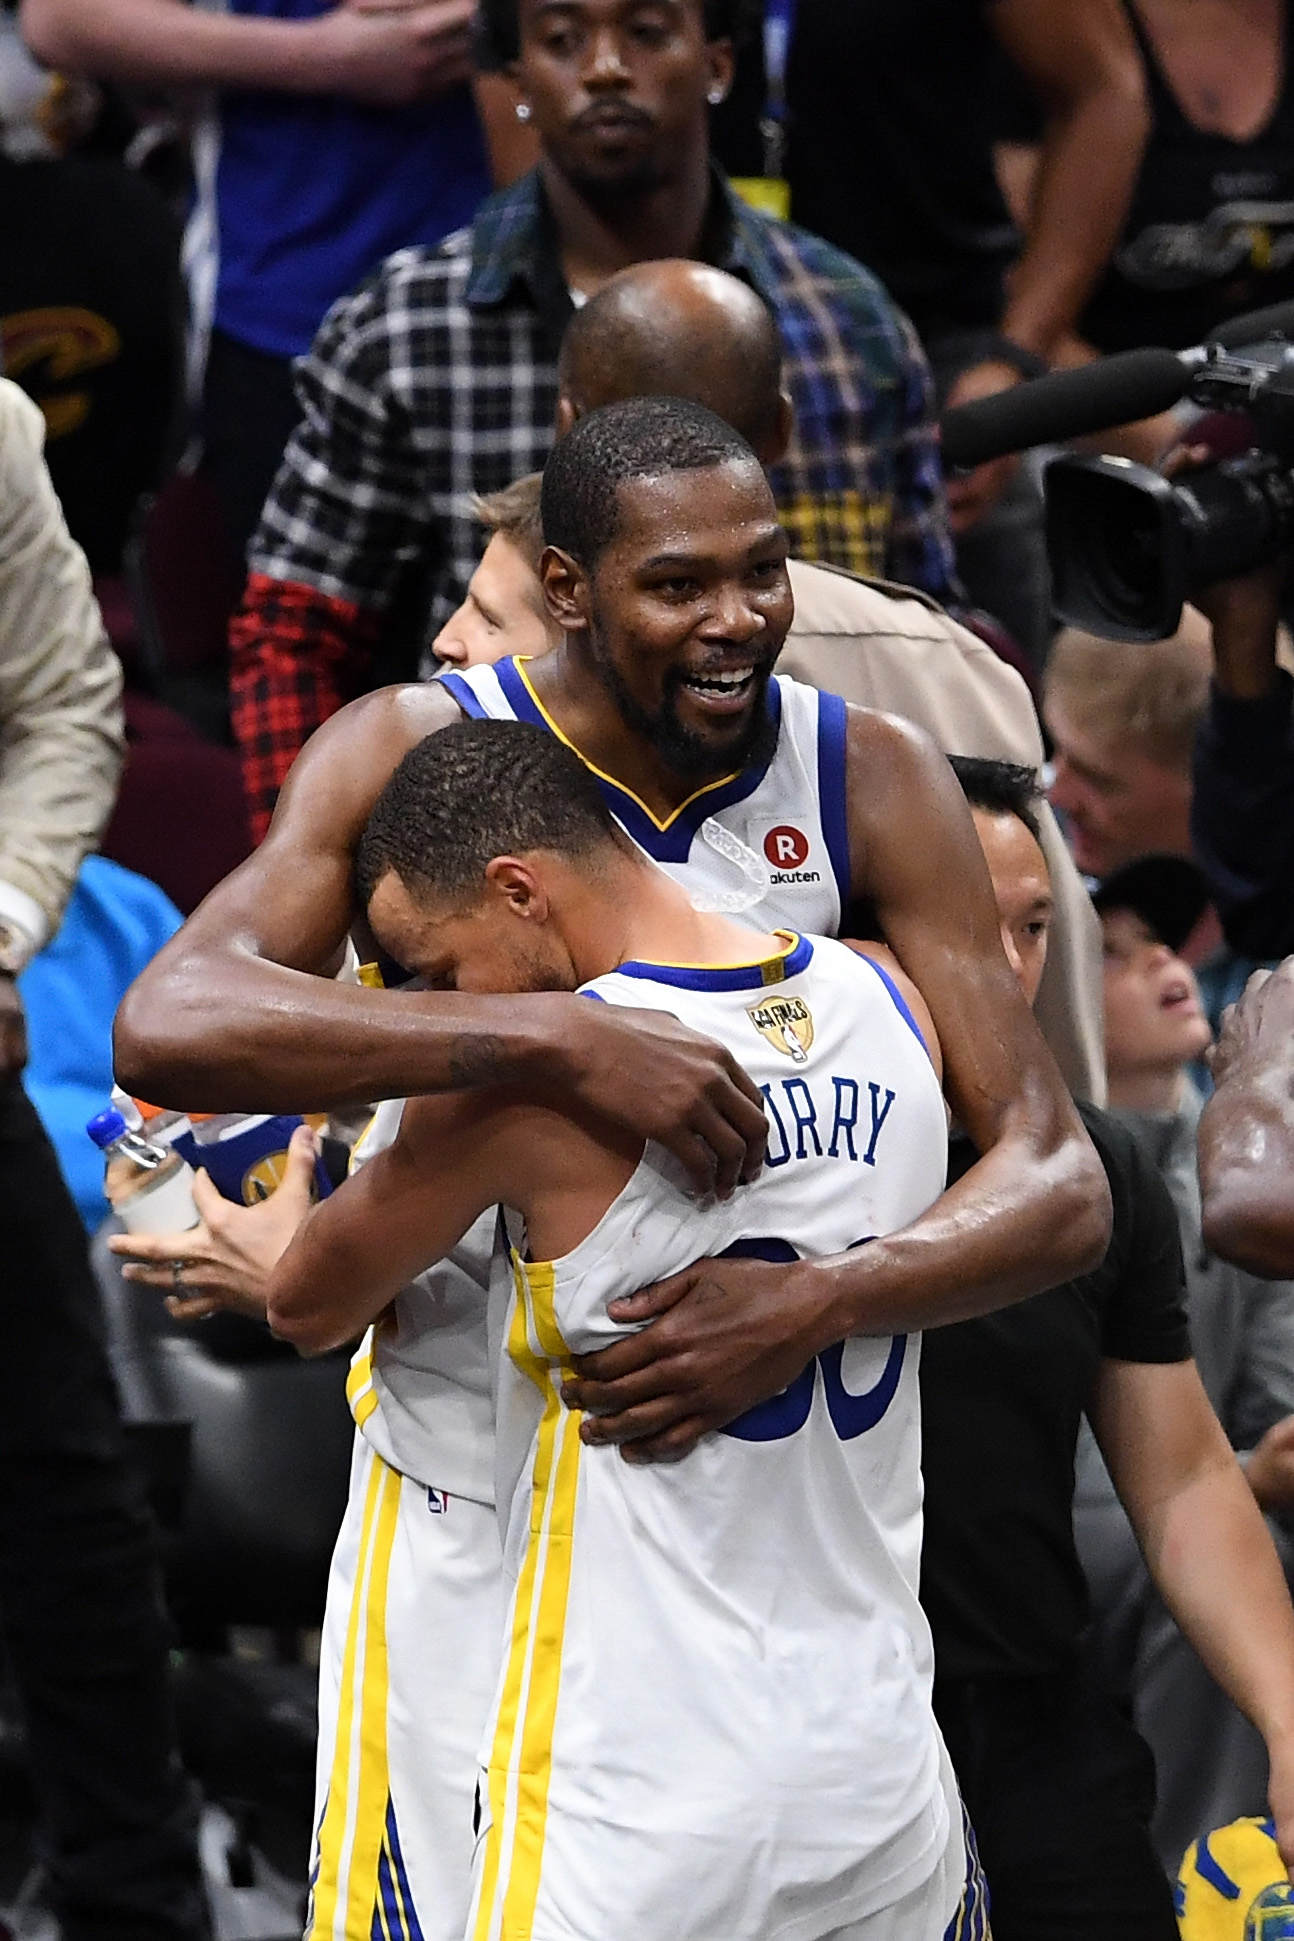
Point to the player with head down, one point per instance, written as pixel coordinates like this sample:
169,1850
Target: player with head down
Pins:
713,1716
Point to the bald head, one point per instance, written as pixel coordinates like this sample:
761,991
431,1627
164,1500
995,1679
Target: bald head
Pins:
680,330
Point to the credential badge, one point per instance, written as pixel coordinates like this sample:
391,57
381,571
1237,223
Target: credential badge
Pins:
787,1023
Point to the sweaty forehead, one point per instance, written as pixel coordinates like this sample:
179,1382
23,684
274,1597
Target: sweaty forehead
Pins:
671,511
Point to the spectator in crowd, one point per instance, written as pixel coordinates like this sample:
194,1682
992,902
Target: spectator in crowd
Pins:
1209,233
1123,721
1246,1136
343,131
1058,1785
83,1621
91,305
503,610
890,156
439,378
1210,1764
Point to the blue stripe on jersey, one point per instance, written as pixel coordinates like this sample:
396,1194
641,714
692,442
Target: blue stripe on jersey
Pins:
900,1002
464,695
731,977
833,716
412,1927
672,844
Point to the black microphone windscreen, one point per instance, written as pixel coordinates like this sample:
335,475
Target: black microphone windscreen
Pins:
1276,320
1064,404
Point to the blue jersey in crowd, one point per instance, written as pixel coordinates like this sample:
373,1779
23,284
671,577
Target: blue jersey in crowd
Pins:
312,191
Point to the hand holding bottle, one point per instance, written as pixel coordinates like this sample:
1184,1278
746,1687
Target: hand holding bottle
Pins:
225,1261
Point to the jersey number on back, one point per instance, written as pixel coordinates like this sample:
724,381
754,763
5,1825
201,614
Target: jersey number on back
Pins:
783,1415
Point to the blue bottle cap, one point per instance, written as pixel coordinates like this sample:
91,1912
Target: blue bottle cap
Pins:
105,1128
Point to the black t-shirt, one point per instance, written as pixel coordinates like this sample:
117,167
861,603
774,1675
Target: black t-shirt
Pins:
1001,1400
1210,233
890,151
91,324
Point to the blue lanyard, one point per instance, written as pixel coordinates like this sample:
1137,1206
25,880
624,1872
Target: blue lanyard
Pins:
779,24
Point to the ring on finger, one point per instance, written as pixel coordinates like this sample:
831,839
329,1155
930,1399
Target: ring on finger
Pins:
177,1272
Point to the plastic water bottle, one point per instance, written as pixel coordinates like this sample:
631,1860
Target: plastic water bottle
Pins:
1271,1916
149,1186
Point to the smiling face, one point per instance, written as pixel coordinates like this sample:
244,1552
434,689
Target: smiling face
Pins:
503,613
1153,1019
685,611
617,88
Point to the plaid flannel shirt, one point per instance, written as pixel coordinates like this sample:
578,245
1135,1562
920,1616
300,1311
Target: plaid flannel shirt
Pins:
437,379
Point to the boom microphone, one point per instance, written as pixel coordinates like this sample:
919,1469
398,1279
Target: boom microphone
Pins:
1067,404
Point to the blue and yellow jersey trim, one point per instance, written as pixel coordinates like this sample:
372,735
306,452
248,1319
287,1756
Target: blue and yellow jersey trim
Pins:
757,975
667,841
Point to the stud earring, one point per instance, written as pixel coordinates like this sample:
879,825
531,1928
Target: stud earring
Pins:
715,96
523,111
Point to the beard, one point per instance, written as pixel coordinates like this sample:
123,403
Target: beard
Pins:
690,756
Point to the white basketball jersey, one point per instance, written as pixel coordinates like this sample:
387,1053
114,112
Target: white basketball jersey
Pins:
419,1388
768,845
714,1716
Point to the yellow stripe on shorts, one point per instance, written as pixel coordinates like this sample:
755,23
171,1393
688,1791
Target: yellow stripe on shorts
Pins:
354,1819
361,1395
521,1757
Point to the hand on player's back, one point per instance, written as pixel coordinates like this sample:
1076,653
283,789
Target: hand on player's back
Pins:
647,1072
718,1343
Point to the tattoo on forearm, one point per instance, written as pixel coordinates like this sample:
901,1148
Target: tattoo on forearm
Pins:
477,1061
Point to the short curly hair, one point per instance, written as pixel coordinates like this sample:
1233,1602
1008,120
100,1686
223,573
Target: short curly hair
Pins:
499,32
637,438
474,791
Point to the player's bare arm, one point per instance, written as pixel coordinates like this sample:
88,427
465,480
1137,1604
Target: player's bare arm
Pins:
1246,1137
1033,1212
1206,1547
238,1013
453,1158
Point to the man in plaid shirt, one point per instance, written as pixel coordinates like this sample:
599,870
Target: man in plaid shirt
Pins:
437,379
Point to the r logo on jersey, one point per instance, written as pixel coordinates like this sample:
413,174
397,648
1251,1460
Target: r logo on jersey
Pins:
786,848
787,1023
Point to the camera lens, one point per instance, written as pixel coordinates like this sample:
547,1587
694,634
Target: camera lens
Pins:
1116,545
1121,553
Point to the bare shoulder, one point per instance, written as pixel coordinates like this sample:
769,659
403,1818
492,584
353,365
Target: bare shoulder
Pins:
885,959
345,765
883,747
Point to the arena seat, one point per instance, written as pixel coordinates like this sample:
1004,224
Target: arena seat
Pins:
266,1453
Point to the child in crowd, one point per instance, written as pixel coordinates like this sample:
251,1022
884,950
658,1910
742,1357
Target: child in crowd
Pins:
1210,1762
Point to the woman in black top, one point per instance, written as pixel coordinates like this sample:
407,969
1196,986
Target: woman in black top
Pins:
1210,233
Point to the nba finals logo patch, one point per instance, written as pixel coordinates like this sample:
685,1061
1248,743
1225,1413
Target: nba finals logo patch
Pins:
787,1023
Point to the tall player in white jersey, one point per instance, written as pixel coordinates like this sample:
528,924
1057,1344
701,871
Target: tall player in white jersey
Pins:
714,1713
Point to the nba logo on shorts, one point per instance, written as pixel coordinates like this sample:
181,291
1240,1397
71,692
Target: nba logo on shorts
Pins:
785,847
437,1502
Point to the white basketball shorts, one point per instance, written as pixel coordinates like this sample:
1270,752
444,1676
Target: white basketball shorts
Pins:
408,1664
